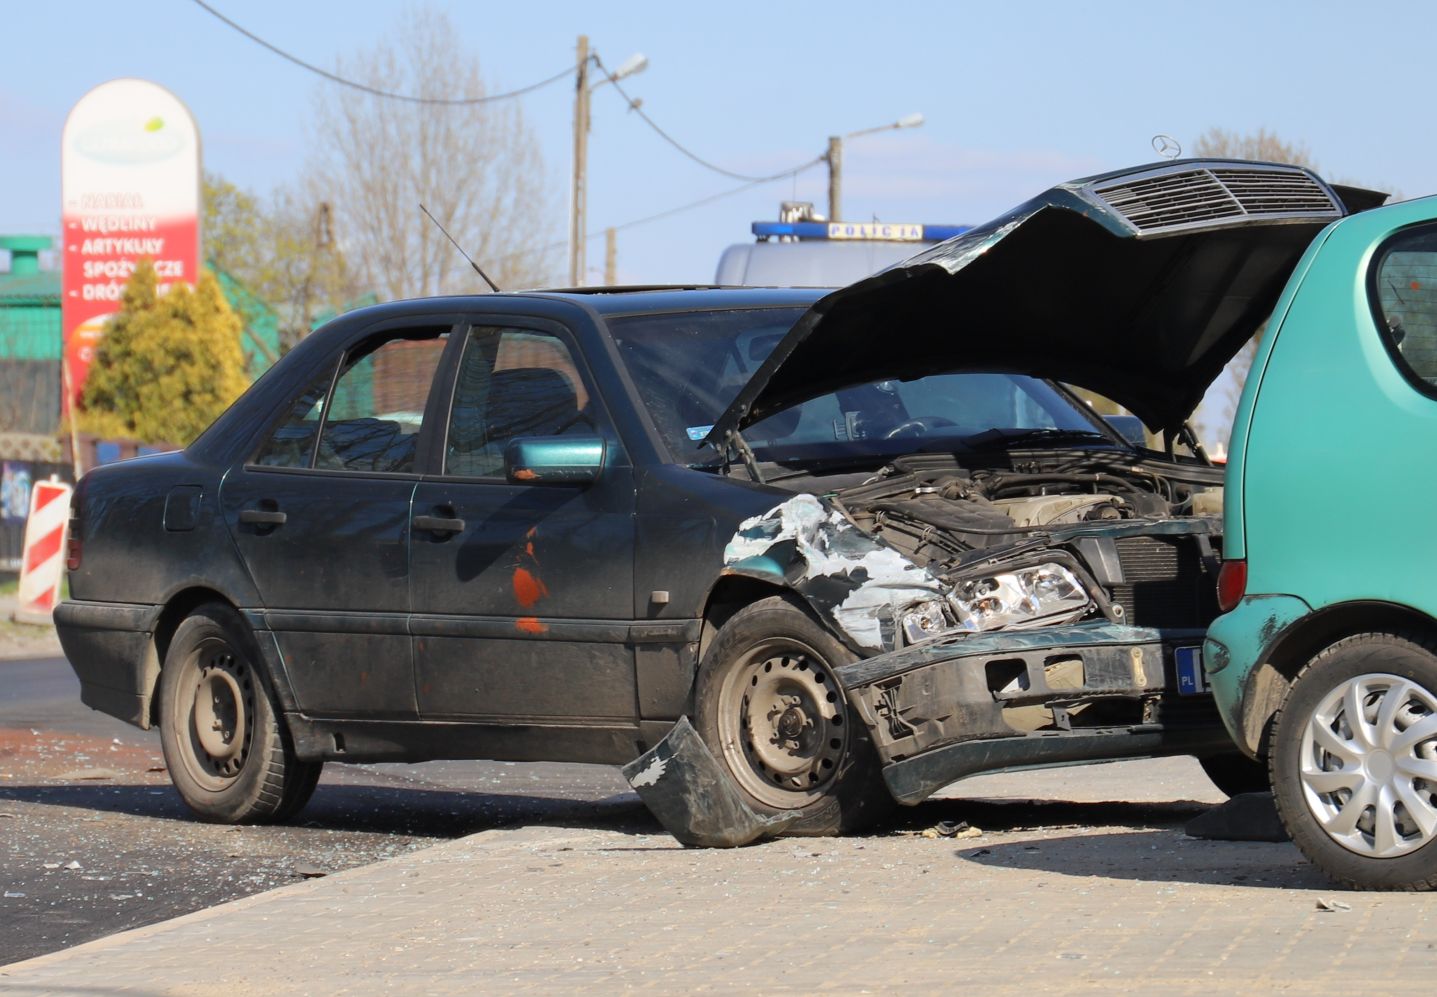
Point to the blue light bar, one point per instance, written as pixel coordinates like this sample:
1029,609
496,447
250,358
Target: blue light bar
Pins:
859,231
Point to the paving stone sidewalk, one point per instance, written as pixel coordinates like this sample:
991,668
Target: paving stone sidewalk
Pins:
1042,910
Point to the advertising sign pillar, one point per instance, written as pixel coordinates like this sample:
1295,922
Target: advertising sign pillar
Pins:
130,189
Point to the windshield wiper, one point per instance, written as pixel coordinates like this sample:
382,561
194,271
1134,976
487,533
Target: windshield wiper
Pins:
1009,437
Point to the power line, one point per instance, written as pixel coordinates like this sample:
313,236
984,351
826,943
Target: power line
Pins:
666,213
704,200
443,101
634,106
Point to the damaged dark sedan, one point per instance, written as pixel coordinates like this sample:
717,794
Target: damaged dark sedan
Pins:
870,541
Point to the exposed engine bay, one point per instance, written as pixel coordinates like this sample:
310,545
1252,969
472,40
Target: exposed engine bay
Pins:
1071,543
926,548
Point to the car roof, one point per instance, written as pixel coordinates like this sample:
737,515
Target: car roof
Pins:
668,298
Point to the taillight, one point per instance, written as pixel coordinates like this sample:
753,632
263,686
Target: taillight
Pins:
1231,584
74,546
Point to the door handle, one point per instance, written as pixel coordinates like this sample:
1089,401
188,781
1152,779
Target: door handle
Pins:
262,517
438,524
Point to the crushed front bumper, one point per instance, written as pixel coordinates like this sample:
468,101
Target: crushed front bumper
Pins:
961,705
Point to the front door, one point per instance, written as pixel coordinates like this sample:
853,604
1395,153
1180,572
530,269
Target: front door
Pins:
523,594
320,513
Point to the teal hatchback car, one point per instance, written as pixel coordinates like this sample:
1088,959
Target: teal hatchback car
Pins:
1325,660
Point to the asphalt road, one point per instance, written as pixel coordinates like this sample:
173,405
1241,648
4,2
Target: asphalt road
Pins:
95,840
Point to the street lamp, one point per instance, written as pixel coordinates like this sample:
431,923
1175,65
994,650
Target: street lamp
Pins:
835,158
635,63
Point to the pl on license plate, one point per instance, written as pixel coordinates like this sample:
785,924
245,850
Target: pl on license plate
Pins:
1191,681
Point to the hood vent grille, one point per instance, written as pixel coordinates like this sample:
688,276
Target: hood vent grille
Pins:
1212,197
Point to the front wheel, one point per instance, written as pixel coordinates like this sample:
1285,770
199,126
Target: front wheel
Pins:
1354,762
770,709
227,753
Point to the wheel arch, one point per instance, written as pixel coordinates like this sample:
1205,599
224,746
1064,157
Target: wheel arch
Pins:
1269,682
176,610
732,592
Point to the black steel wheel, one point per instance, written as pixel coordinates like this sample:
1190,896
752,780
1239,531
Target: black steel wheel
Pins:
770,709
227,752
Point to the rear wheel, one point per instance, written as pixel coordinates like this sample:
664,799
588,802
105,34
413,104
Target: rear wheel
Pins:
769,707
227,753
1354,762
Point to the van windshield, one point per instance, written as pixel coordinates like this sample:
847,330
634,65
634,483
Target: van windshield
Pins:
689,366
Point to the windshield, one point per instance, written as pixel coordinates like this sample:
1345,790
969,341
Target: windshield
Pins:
689,366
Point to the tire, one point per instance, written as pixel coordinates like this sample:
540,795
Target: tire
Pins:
228,755
1360,801
1235,774
768,706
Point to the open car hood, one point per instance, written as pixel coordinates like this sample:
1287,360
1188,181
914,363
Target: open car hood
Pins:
1140,285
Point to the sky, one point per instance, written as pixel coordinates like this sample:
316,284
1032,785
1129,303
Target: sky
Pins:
1016,97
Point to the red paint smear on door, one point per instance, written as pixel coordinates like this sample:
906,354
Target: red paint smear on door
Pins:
529,625
527,588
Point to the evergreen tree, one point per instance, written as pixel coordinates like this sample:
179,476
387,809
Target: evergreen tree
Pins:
168,365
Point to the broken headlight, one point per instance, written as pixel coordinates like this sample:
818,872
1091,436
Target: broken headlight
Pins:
1045,593
927,619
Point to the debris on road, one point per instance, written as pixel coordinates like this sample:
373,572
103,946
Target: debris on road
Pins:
684,786
1327,906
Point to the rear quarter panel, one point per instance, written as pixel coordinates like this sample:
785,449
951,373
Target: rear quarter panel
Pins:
1336,473
132,556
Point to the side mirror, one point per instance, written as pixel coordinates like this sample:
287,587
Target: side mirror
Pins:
1130,428
554,460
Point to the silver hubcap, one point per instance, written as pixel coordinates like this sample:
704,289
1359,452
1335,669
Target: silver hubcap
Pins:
782,724
1369,765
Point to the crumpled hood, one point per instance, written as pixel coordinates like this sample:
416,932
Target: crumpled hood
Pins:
1140,285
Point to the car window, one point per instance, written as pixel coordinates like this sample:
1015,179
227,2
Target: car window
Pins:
688,368
1405,300
292,443
377,406
371,419
512,383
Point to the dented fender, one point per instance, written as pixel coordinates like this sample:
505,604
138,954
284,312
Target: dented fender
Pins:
856,584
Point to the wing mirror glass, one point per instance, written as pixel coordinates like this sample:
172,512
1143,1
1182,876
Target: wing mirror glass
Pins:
554,460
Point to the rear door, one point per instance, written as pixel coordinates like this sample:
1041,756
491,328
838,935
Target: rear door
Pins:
320,513
523,593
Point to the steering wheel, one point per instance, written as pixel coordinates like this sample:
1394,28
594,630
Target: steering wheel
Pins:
918,426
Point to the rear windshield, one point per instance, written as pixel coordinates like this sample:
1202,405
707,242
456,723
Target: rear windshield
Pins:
689,366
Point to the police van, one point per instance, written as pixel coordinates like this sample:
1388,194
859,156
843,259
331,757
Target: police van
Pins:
802,249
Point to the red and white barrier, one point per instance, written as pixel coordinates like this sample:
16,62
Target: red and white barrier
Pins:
43,562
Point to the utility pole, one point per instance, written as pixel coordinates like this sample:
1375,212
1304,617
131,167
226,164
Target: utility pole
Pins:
835,159
581,165
611,257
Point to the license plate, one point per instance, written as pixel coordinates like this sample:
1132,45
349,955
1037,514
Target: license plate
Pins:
1191,681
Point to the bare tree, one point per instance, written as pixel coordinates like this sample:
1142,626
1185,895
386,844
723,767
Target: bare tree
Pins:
282,252
477,167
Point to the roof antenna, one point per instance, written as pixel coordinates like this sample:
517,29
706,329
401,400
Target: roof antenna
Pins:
493,286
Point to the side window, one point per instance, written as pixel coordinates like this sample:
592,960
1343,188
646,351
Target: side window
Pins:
1405,302
292,444
377,406
370,420
512,383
